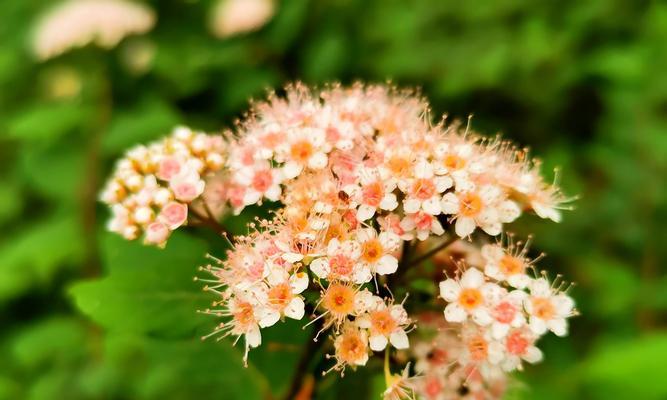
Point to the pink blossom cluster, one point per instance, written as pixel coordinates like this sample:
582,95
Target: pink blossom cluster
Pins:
152,186
361,176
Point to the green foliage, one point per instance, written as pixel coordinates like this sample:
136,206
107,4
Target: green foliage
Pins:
36,253
142,283
629,368
86,315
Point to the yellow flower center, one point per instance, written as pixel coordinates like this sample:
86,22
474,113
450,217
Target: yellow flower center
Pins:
372,251
470,298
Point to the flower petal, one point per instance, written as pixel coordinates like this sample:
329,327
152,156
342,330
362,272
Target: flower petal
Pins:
388,264
450,289
399,339
378,342
455,313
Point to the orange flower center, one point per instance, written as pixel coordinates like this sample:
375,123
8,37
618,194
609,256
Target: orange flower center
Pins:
433,387
399,166
351,347
280,296
423,189
510,265
339,300
471,204
341,265
470,298
388,125
301,151
334,231
262,181
244,314
373,194
478,348
437,356
504,312
371,251
543,308
517,343
454,162
382,322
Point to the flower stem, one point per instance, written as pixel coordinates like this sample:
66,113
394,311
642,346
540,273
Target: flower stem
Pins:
307,355
433,251
387,371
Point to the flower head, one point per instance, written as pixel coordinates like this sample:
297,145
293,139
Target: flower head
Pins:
77,23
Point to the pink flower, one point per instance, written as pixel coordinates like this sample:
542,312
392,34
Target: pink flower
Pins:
168,168
423,224
424,190
157,233
188,188
174,214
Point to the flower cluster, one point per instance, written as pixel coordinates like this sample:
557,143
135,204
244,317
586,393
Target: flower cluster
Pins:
234,17
362,177
495,314
153,185
77,23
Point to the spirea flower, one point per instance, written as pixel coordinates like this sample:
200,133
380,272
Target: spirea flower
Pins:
153,188
77,23
232,17
361,182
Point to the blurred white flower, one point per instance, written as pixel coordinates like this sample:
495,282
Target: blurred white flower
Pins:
77,23
232,17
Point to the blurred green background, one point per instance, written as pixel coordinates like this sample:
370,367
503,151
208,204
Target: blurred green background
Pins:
85,315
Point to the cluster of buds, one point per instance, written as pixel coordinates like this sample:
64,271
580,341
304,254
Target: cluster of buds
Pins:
363,176
153,185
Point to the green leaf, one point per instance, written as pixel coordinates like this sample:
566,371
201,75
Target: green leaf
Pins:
57,338
157,368
47,121
146,289
10,201
58,172
34,254
630,369
279,354
149,120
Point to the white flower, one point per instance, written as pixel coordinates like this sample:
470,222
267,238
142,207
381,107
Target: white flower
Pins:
484,207
423,224
468,297
373,194
507,312
232,17
260,181
386,324
377,249
342,262
423,192
547,308
503,266
304,149
282,296
519,344
77,23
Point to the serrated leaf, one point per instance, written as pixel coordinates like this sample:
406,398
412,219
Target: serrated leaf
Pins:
146,289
